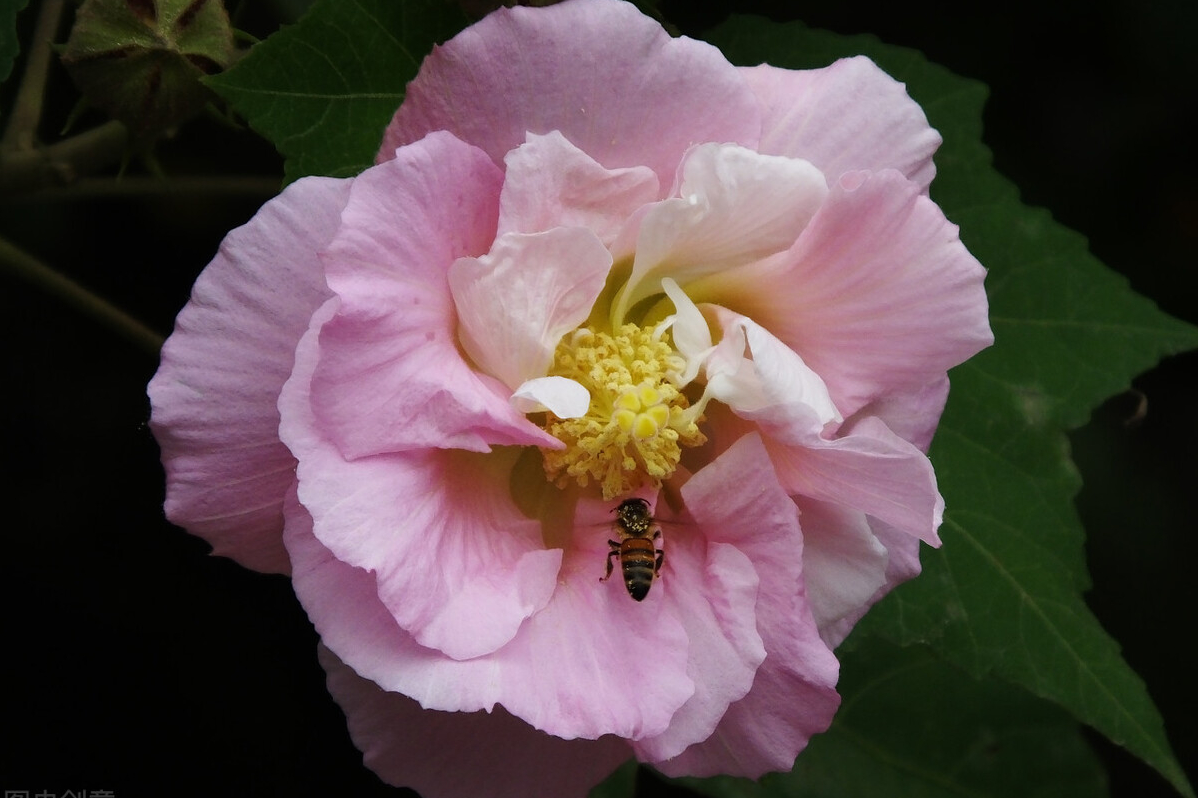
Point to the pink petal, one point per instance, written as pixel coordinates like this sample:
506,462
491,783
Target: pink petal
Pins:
713,588
793,699
454,560
518,300
843,561
600,72
865,466
847,116
913,415
576,655
214,396
902,563
566,672
878,295
793,694
732,206
390,376
868,469
552,183
903,555
454,754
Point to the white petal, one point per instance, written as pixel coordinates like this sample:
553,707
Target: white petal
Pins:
563,397
518,300
733,206
692,338
843,561
764,380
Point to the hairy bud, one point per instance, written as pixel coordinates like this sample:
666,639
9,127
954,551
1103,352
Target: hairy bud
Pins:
141,61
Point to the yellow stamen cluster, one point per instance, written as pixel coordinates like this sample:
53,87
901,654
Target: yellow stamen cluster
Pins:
633,431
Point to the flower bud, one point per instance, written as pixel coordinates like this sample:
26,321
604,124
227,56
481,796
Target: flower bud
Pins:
141,61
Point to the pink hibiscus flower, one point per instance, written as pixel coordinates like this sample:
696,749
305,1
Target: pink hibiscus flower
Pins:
592,264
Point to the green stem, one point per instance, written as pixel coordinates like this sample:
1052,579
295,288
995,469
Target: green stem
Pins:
27,107
25,165
21,264
62,163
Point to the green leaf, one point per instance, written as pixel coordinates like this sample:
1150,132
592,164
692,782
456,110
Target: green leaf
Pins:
620,784
913,726
323,89
9,46
1003,595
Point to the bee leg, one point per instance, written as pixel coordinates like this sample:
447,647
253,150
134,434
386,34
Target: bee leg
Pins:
615,549
661,558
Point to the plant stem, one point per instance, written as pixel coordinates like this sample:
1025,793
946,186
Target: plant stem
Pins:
62,163
21,264
25,165
27,108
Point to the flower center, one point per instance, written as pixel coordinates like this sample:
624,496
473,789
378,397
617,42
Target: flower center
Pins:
635,427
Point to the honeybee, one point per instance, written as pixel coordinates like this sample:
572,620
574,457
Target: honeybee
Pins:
640,559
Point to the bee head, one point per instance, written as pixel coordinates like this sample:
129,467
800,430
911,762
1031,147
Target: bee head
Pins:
633,505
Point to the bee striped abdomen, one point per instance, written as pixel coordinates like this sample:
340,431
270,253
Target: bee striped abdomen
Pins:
640,558
638,561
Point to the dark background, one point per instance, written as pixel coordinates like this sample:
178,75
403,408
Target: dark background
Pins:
135,663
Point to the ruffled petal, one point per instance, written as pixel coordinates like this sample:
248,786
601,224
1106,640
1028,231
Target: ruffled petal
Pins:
552,183
847,116
608,77
214,396
763,380
454,560
733,206
844,563
518,300
566,672
712,587
878,295
390,376
867,468
793,698
914,414
575,657
454,754
688,328
902,563
793,695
